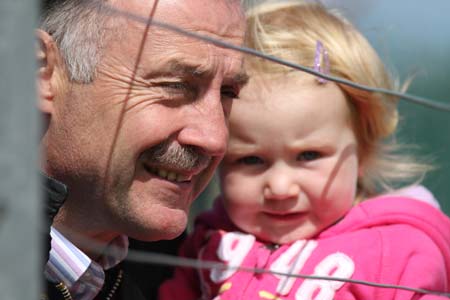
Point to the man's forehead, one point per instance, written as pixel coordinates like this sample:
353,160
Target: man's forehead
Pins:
220,18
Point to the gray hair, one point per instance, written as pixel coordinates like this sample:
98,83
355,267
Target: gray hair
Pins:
79,30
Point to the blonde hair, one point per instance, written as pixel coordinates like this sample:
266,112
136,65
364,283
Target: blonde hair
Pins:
290,30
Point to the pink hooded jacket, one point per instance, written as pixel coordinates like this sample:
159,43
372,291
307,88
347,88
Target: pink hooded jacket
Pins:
389,239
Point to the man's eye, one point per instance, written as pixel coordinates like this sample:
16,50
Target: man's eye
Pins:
179,88
176,85
230,92
250,160
308,155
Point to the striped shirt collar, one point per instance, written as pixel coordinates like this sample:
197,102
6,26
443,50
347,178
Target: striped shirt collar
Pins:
83,276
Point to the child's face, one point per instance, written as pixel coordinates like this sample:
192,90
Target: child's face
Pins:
291,166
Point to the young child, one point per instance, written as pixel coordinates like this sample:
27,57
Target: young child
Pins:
302,181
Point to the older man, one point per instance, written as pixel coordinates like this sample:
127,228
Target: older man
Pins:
135,126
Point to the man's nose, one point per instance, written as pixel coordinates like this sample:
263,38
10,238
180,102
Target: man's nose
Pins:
281,183
206,126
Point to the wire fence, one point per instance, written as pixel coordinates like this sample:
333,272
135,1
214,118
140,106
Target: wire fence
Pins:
9,284
155,258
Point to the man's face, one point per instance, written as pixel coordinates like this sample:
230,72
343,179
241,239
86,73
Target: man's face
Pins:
138,144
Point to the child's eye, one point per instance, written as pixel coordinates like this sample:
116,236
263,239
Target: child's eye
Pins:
309,155
250,160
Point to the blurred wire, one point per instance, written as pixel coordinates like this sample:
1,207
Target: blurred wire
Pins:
175,261
162,259
411,98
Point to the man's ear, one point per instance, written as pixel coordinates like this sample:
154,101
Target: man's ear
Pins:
49,68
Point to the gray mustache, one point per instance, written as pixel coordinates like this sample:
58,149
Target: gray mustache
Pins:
177,156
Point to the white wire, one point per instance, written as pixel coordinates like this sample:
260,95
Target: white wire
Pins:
165,259
169,260
148,257
411,98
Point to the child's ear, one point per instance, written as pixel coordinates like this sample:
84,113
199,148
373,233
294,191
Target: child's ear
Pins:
47,55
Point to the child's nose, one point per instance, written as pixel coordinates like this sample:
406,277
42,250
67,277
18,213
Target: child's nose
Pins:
281,184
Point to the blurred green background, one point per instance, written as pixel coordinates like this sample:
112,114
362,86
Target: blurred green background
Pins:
413,38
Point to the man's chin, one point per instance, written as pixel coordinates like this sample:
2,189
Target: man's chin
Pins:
158,236
174,229
167,228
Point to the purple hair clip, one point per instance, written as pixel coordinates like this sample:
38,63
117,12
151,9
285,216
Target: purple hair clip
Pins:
321,62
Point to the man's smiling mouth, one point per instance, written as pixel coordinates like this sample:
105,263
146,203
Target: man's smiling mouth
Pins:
170,175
